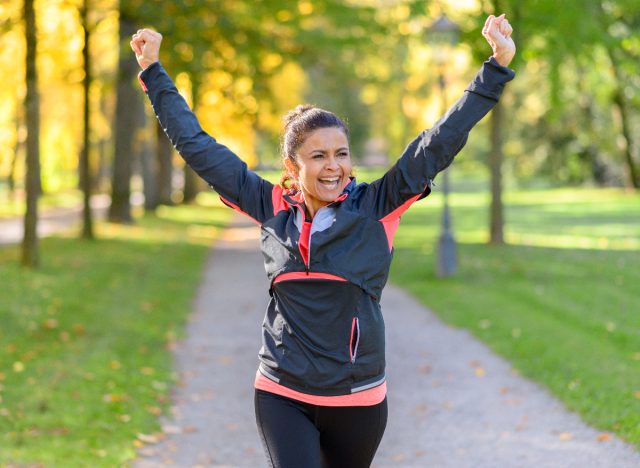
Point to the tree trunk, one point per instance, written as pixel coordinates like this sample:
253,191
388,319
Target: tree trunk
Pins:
30,257
85,166
631,180
191,184
126,101
165,167
496,221
150,169
496,218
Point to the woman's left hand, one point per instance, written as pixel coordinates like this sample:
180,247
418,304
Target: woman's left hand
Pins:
497,32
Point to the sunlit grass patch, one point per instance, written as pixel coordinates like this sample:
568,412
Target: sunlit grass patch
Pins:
85,341
12,206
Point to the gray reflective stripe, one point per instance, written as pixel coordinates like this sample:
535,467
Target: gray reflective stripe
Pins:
368,386
266,373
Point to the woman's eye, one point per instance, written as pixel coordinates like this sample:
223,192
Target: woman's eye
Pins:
343,155
317,156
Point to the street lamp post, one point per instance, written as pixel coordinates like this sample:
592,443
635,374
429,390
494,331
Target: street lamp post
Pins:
444,33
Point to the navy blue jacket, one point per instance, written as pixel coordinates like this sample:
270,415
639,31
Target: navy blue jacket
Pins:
323,332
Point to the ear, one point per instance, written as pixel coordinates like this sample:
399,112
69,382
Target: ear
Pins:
291,167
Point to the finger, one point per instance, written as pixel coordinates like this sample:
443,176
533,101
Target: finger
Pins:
503,27
494,36
137,44
148,35
509,31
133,47
487,23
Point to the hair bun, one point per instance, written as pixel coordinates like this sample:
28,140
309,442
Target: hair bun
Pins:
299,111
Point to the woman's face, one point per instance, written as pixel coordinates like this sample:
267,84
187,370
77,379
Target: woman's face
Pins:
322,167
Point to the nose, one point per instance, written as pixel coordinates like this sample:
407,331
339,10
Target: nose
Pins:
332,163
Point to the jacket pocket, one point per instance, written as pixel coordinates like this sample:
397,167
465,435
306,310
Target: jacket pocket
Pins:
354,340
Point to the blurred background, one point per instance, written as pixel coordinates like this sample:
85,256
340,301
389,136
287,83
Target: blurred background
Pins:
541,248
571,116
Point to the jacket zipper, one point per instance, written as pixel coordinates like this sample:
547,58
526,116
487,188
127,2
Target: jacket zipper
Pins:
307,266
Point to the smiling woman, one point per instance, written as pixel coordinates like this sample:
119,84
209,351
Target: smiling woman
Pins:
327,242
316,156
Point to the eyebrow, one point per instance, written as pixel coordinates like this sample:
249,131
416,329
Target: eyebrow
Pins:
343,148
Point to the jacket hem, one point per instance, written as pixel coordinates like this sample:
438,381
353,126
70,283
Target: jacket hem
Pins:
356,387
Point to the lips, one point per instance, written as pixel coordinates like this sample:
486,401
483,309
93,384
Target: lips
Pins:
329,182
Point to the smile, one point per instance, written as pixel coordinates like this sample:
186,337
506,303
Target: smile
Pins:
329,182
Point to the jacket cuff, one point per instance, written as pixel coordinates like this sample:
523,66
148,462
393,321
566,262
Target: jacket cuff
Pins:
490,80
149,74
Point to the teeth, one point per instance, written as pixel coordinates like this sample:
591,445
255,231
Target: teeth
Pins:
327,179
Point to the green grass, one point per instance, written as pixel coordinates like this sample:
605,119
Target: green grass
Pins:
561,302
85,362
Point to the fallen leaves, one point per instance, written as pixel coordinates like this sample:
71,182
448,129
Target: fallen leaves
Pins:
604,437
155,410
478,368
50,324
114,397
225,360
148,438
147,371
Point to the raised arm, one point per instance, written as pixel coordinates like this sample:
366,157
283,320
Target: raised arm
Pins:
215,163
434,149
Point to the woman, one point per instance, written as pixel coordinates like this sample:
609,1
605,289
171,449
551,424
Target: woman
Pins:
320,394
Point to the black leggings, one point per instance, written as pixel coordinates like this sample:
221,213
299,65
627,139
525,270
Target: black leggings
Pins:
296,434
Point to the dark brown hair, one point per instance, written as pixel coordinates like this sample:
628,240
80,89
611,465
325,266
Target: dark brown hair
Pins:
298,123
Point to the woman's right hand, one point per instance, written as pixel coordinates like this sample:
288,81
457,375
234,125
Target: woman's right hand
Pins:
146,45
497,32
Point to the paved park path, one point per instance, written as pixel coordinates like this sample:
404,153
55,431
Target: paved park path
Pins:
53,220
452,402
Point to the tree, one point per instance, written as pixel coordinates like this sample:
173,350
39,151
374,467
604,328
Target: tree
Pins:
85,172
30,257
165,167
623,19
127,100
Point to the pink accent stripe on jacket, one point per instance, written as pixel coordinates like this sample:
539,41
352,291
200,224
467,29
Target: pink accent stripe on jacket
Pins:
369,397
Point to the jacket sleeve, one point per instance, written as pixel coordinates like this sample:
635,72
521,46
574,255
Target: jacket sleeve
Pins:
238,187
433,150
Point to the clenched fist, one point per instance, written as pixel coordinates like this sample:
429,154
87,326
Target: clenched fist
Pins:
146,45
497,32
